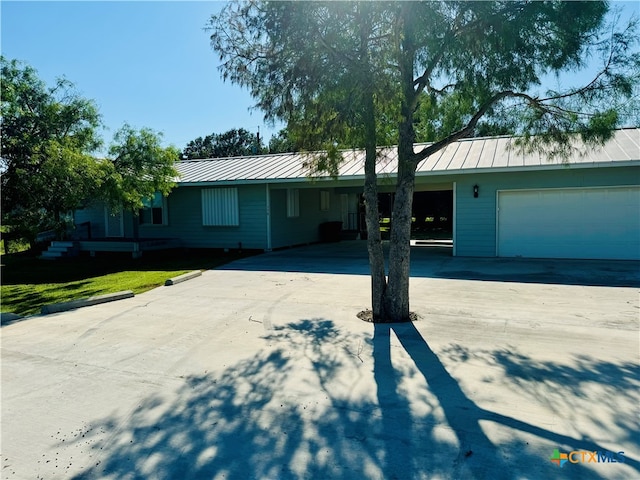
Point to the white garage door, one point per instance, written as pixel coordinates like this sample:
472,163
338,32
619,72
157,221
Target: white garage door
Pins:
570,223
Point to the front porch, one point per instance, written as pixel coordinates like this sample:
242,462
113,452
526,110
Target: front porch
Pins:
135,246
61,249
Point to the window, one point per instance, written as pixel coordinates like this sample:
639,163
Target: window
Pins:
324,200
293,202
220,207
154,211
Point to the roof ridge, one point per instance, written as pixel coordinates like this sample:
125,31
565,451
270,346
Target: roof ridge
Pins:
214,159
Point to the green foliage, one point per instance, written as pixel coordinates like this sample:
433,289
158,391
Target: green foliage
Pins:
282,142
306,63
325,161
47,137
138,168
234,143
450,69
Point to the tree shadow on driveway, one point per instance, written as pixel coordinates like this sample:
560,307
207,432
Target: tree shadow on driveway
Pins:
351,258
479,456
319,402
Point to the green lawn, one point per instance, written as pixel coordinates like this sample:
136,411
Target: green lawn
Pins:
28,283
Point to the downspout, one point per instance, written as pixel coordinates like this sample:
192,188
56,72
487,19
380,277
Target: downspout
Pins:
268,216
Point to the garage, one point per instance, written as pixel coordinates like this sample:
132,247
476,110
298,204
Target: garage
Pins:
598,223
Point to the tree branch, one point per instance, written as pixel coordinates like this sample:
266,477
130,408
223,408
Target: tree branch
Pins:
441,90
468,128
422,81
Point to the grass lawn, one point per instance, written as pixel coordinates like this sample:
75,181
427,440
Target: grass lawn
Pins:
28,283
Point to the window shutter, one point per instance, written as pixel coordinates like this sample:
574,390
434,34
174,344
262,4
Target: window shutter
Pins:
220,207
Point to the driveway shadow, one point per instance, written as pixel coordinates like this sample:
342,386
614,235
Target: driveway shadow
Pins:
479,457
301,408
351,258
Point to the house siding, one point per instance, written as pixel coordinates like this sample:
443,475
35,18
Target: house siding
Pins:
93,214
262,207
476,217
289,231
185,221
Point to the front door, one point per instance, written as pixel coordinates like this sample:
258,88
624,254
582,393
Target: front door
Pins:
114,223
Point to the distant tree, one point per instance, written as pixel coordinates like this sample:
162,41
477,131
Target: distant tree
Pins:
48,134
137,168
282,143
201,147
233,143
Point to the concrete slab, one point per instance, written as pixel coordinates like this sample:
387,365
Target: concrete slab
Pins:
436,261
258,372
182,278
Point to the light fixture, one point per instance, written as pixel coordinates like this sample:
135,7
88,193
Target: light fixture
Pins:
475,191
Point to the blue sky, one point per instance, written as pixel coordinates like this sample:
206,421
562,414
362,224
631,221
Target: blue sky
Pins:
146,63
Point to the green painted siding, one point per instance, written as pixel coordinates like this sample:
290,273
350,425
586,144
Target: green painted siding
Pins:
303,229
96,215
92,214
476,217
185,220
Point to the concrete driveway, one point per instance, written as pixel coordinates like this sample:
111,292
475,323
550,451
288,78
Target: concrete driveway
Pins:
262,370
435,260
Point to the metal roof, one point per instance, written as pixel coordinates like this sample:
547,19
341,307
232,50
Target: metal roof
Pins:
464,156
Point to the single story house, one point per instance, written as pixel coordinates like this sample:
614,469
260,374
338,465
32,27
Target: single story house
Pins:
502,202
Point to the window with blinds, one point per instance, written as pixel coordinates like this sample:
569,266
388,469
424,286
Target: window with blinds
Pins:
293,202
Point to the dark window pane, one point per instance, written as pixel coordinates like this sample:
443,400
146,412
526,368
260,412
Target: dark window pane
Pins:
156,216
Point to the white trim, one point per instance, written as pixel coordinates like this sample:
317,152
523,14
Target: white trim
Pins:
455,219
268,198
497,217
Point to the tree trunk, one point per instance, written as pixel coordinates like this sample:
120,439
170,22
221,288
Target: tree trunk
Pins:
396,299
374,240
374,245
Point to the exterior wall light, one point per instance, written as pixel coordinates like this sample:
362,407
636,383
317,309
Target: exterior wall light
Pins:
475,191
